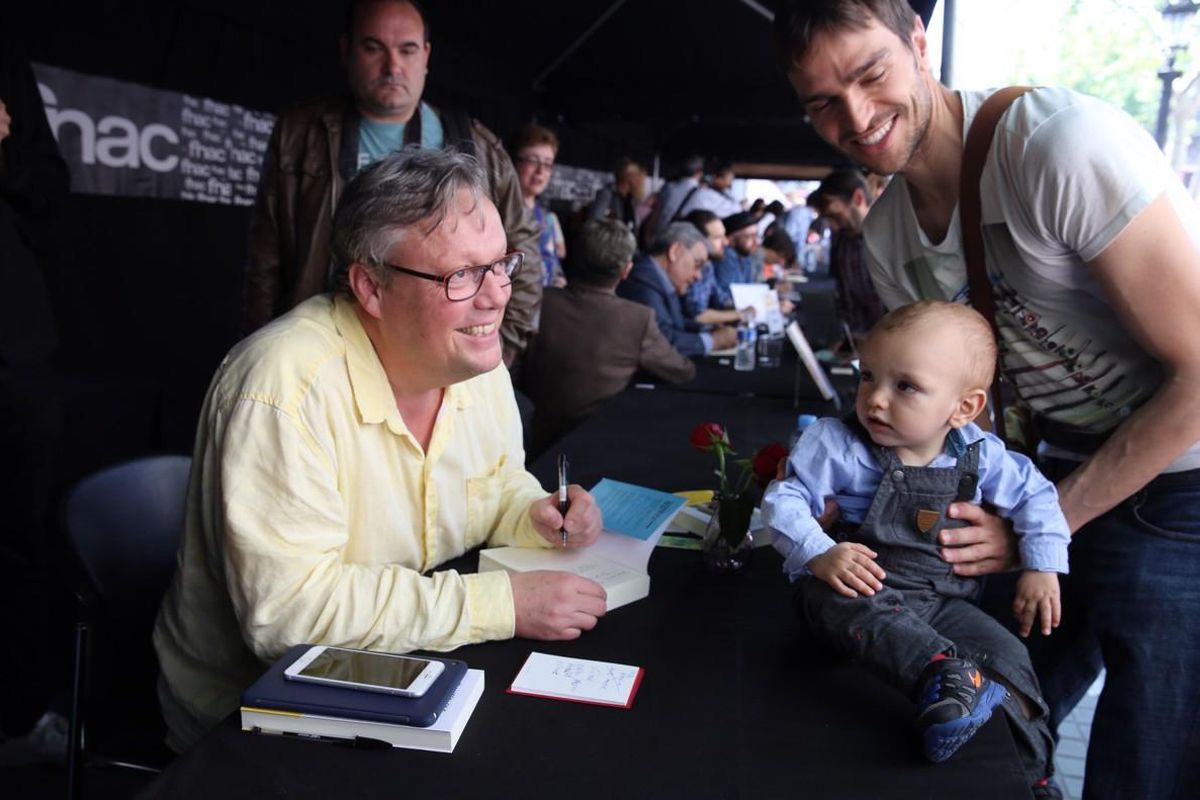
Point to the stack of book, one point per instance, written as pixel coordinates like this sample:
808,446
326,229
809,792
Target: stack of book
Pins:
276,705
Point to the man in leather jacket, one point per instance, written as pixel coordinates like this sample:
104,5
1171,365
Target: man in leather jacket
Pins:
318,146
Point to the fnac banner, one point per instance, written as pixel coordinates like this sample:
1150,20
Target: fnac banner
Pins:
129,140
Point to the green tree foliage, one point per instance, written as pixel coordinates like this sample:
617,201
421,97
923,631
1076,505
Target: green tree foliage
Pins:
1111,49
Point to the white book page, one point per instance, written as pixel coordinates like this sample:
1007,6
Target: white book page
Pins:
752,295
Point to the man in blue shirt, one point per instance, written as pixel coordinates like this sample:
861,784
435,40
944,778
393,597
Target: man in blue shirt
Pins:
706,302
661,277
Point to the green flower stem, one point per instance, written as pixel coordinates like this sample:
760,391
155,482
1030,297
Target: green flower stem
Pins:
721,466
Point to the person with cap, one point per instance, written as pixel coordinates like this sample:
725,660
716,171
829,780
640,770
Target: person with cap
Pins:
742,261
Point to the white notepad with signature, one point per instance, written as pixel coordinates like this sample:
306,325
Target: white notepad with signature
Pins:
578,679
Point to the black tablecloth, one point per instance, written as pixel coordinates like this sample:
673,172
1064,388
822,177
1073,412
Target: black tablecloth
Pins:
735,703
641,436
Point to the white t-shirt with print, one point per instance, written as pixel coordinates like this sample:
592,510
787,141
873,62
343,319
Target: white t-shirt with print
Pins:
1065,175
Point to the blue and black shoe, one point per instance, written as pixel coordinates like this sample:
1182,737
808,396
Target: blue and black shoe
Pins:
955,700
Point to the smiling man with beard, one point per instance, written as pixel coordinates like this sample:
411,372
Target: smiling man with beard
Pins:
1092,247
320,145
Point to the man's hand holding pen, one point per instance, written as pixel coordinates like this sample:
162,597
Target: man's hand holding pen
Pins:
583,522
560,605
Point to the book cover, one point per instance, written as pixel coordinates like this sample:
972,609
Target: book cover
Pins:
440,737
634,520
635,511
274,691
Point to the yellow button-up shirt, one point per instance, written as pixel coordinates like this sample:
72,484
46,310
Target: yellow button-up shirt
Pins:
313,511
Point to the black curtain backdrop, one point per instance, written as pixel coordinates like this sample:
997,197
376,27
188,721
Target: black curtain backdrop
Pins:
147,292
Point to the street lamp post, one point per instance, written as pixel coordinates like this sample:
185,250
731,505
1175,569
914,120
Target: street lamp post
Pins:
1178,15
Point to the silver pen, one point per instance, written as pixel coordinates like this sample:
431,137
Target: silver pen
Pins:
564,504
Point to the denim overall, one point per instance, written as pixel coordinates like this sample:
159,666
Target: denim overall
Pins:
924,608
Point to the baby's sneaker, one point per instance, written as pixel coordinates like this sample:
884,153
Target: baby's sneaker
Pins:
955,699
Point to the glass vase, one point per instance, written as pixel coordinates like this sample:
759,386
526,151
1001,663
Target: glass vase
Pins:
727,545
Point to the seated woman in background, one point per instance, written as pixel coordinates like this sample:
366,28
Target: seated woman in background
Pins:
534,149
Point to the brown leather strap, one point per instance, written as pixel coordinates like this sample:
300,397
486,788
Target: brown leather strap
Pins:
975,151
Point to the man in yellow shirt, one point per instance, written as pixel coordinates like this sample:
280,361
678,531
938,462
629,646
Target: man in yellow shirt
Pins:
359,441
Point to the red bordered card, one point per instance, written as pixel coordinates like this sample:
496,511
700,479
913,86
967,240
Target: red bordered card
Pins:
577,679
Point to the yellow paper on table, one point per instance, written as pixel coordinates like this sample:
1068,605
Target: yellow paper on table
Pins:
687,529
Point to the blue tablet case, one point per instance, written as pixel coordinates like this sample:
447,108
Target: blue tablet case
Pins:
273,691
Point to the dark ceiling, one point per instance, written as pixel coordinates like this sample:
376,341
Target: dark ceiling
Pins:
653,76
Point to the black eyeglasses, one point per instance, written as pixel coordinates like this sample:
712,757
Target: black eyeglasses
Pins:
535,162
465,283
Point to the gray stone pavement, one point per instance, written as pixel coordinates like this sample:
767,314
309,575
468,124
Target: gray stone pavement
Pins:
1073,736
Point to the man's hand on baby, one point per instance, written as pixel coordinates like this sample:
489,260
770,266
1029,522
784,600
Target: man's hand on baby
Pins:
850,568
1038,596
986,545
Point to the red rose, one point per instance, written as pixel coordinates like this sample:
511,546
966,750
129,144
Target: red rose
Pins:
766,462
707,434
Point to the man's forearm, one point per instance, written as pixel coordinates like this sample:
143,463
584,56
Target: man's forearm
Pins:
1154,436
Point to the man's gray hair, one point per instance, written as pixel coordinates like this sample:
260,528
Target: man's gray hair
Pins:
414,188
601,250
684,233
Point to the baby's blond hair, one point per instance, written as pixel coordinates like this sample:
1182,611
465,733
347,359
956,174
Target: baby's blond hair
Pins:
979,345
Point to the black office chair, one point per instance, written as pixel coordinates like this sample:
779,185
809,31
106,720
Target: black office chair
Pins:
124,524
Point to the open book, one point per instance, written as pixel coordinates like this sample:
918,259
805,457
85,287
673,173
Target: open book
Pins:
634,519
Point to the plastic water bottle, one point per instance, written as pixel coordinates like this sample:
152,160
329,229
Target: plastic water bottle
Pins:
826,249
769,347
802,422
743,360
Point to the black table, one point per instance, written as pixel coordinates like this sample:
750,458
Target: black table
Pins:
641,436
789,381
716,375
736,701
